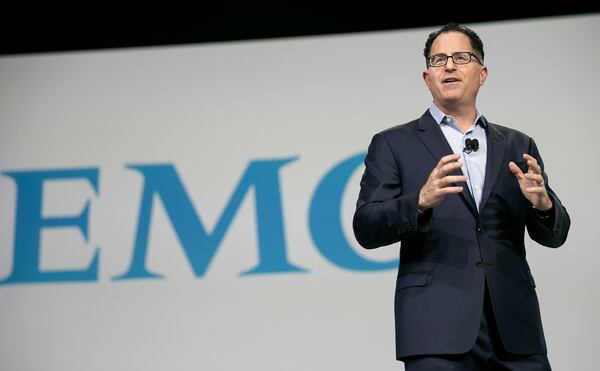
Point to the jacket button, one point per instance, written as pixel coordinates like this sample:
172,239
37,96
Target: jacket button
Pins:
479,230
478,263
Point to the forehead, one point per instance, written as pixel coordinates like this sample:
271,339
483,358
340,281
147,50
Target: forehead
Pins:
450,42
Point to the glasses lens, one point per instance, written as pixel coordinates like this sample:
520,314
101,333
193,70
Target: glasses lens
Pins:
461,58
438,60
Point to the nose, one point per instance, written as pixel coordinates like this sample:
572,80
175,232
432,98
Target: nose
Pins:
450,64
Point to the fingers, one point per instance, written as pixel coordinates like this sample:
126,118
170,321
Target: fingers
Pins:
447,169
436,187
448,158
440,192
534,190
535,177
446,165
449,190
451,179
532,163
516,170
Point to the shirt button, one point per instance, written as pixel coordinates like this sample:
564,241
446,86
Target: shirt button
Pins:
478,263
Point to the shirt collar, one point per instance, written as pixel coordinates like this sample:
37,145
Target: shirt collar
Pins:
439,116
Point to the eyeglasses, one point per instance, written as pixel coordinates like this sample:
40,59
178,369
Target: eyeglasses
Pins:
440,60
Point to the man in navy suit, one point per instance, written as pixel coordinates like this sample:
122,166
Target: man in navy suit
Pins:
458,192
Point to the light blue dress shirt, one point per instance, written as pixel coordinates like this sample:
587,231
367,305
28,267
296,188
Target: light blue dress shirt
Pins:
474,162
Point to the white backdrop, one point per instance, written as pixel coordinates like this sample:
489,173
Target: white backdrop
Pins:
208,111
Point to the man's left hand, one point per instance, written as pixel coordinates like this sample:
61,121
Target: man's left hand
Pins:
532,183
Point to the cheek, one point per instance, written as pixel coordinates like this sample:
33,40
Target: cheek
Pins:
436,85
429,82
474,82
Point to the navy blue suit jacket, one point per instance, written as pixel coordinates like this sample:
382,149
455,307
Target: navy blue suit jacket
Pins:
447,256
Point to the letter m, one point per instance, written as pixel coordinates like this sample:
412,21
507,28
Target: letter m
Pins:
200,245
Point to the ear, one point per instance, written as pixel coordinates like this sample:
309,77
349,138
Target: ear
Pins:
483,75
426,79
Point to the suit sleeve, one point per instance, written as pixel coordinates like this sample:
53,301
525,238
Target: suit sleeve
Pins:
553,233
384,214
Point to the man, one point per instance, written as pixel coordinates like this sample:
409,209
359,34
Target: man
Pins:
458,192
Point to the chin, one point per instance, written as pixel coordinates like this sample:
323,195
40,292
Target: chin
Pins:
451,100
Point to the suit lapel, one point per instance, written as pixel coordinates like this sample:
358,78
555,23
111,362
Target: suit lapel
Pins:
495,153
431,135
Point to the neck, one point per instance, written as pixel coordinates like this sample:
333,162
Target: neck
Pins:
464,115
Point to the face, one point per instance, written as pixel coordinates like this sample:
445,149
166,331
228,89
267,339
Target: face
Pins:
454,85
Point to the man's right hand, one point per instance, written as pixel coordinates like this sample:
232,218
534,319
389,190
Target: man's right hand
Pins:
436,187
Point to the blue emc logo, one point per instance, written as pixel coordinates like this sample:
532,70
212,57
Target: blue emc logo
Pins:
198,244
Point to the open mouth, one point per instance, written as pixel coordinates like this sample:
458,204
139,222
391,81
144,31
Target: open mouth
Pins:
450,80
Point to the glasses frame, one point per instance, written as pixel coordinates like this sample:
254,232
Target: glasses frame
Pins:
471,56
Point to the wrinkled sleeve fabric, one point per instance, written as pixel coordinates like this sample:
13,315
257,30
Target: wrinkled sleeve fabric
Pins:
551,231
384,213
